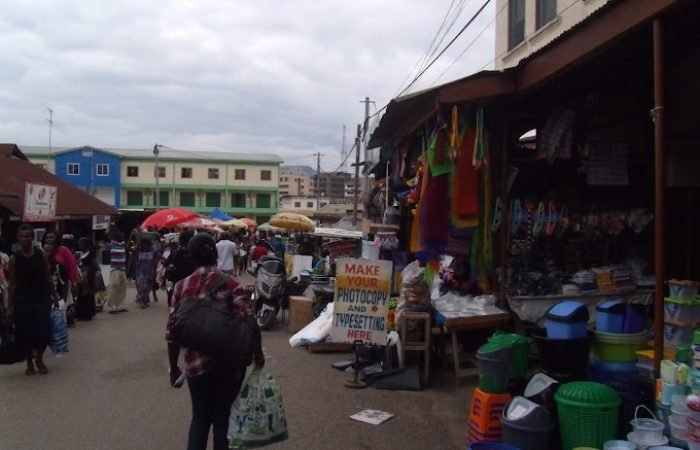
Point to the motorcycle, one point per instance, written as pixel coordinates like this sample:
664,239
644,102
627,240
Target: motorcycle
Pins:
270,288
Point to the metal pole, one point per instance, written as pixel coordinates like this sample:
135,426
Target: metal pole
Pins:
50,119
357,175
659,186
365,182
318,182
156,151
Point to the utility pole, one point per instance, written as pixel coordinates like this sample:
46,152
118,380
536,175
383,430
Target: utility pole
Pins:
366,101
318,181
156,152
50,120
357,175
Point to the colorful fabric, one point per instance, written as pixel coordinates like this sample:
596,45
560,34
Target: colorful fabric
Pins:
117,255
65,257
199,284
465,181
438,154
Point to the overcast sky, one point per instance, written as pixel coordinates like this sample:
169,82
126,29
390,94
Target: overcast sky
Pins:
273,76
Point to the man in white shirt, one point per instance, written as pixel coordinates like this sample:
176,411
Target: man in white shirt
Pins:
225,249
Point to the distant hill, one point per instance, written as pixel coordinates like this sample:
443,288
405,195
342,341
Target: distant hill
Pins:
307,170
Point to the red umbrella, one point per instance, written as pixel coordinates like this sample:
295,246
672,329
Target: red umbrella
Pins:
168,218
250,222
199,222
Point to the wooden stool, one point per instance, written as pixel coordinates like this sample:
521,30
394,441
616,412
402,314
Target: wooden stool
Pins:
418,346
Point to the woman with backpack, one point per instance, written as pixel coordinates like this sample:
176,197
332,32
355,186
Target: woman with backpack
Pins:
213,383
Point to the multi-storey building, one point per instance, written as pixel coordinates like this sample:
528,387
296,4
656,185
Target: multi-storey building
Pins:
296,181
238,184
525,26
332,185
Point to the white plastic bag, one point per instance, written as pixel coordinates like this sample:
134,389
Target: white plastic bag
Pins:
316,331
257,415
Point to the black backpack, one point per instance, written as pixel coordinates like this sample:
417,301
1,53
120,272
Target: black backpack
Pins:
208,325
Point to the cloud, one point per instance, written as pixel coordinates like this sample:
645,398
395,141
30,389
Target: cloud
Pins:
263,76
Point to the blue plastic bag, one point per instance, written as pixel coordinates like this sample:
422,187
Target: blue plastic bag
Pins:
59,333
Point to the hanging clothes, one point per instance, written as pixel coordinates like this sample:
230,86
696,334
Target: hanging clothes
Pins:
465,180
435,217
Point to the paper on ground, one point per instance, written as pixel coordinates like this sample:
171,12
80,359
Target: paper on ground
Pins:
372,416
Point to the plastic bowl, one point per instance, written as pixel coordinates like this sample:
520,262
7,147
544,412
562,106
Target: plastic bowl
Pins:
619,445
679,431
679,402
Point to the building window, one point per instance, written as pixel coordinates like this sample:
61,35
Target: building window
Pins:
213,199
239,174
73,169
134,198
185,172
546,12
186,198
132,171
262,200
297,204
237,200
309,204
103,170
516,22
266,175
160,172
213,174
164,198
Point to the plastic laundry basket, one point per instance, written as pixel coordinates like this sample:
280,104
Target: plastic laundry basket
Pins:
588,414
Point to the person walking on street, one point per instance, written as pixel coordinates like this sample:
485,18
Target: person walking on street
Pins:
85,304
225,250
143,262
213,385
31,294
116,289
179,265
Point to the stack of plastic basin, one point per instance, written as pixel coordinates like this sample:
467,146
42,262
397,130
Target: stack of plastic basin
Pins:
485,416
588,414
619,347
494,360
527,425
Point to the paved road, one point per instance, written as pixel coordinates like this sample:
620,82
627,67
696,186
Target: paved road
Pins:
111,391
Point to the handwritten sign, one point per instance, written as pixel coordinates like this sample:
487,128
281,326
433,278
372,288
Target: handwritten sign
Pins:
362,293
39,203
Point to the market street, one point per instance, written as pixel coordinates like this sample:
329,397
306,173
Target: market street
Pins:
111,391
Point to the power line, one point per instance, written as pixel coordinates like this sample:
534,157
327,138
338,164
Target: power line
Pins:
488,25
464,28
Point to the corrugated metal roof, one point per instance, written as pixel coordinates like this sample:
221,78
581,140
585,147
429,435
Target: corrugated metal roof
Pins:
165,154
71,201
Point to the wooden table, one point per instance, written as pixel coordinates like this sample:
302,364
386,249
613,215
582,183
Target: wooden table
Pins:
468,323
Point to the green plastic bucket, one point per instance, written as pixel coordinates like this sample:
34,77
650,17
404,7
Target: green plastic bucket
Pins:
588,414
521,349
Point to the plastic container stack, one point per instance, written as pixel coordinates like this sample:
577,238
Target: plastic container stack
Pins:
678,420
484,416
681,313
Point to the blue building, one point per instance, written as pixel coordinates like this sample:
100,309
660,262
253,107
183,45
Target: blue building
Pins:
92,169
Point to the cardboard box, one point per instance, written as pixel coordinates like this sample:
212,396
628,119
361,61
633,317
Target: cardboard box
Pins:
301,313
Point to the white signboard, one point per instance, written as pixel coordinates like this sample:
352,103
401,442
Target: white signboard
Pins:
361,303
39,203
100,222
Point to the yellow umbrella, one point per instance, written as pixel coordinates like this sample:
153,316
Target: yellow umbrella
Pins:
234,223
292,221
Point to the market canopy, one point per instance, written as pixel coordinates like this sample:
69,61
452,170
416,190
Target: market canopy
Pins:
292,221
234,223
267,227
336,233
218,214
250,223
168,218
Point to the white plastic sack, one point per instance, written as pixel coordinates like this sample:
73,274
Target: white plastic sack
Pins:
257,415
316,331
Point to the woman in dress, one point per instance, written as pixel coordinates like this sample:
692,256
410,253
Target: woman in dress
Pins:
85,308
143,261
30,297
